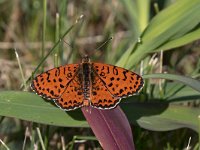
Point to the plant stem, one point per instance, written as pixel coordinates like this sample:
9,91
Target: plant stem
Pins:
44,28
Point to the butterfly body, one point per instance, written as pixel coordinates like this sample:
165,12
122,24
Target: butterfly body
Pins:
87,84
85,75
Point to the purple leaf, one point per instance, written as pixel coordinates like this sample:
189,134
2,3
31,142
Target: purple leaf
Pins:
111,128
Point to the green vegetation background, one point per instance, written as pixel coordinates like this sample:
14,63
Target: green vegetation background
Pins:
158,39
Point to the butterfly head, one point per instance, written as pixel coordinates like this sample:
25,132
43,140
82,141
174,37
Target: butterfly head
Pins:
85,59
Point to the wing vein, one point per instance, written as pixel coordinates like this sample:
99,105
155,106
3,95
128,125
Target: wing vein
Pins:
94,71
78,69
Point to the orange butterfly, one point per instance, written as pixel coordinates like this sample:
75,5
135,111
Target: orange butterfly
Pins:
87,84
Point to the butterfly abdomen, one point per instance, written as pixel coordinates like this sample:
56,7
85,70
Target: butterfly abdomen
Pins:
86,71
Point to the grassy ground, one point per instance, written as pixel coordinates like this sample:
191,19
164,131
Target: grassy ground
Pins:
33,30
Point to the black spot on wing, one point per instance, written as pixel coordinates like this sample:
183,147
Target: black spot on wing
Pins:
124,73
115,71
110,84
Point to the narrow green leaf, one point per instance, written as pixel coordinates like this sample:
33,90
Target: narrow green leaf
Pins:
138,12
143,11
175,91
127,53
195,84
187,38
132,10
172,23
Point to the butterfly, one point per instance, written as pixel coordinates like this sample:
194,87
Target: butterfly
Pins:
87,84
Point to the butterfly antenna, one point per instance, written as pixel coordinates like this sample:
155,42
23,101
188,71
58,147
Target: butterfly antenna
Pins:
104,43
99,47
82,55
68,44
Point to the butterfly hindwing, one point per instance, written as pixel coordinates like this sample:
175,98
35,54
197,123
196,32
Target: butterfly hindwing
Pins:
72,97
100,96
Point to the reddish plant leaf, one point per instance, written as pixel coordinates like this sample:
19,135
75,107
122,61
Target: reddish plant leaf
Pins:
111,128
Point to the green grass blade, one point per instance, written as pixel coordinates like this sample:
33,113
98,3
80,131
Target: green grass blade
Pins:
175,92
40,138
187,38
195,84
44,28
132,10
54,47
127,53
143,11
174,22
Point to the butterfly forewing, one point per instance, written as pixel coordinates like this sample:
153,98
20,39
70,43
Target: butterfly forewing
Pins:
51,84
119,81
